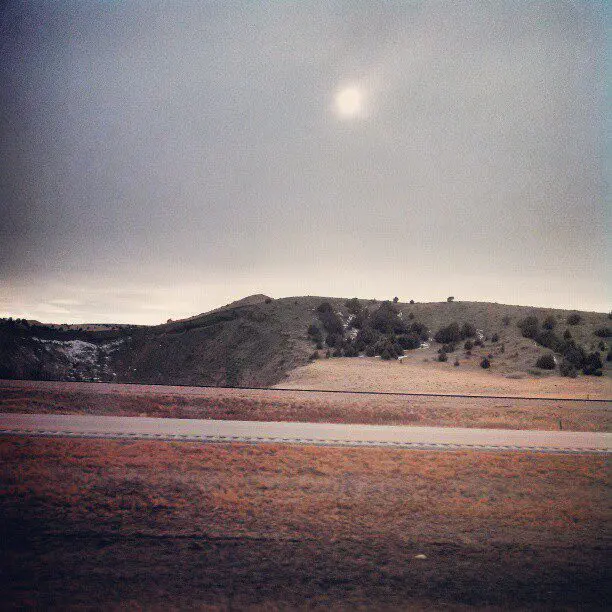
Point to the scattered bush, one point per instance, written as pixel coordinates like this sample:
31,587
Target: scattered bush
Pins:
549,322
334,340
469,345
495,338
592,365
450,333
546,362
574,318
603,332
386,319
456,363
353,306
485,363
529,326
330,320
442,356
567,369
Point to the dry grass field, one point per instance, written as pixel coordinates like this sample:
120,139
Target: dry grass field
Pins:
132,525
271,405
419,372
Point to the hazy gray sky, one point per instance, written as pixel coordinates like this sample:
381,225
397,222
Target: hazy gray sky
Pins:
159,159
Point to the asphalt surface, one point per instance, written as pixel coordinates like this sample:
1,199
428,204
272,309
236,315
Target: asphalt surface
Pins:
439,438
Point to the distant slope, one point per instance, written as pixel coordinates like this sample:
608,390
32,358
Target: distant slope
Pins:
252,342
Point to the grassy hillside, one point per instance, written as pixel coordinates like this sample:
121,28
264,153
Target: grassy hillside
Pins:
257,341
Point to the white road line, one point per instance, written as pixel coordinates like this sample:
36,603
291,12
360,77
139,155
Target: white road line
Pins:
329,434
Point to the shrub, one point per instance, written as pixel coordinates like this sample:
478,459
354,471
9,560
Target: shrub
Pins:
411,315
319,345
550,340
456,363
412,301
337,352
574,354
485,363
325,307
592,365
574,318
450,333
268,300
442,356
495,338
603,332
546,362
386,319
370,351
333,340
450,298
420,329
395,300
330,320
409,341
353,306
567,334
467,331
549,322
366,336
567,369
386,355
478,342
314,332
469,345
529,326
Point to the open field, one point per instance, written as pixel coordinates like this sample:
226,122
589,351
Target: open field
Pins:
270,405
419,372
122,524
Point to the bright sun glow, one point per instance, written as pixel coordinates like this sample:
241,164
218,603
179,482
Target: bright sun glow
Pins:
349,102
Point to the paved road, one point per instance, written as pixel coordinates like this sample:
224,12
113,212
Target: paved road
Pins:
441,438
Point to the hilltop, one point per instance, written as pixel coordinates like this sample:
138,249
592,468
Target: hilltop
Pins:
260,341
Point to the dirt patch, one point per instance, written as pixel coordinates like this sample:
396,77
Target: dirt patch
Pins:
270,405
114,524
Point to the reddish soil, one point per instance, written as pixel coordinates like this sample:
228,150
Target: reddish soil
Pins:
261,405
109,524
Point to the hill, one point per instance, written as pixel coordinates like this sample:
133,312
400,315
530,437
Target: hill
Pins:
259,341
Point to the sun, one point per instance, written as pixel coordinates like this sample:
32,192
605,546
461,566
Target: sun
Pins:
349,102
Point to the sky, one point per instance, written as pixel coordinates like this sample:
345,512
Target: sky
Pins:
159,159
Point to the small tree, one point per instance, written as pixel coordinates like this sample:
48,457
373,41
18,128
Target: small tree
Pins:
412,301
485,363
450,298
546,362
395,300
567,369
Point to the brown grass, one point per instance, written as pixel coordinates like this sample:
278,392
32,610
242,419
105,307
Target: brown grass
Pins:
192,402
243,525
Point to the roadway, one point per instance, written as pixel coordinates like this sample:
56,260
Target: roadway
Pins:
327,434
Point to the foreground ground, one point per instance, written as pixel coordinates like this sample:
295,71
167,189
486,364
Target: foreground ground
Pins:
271,405
154,524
